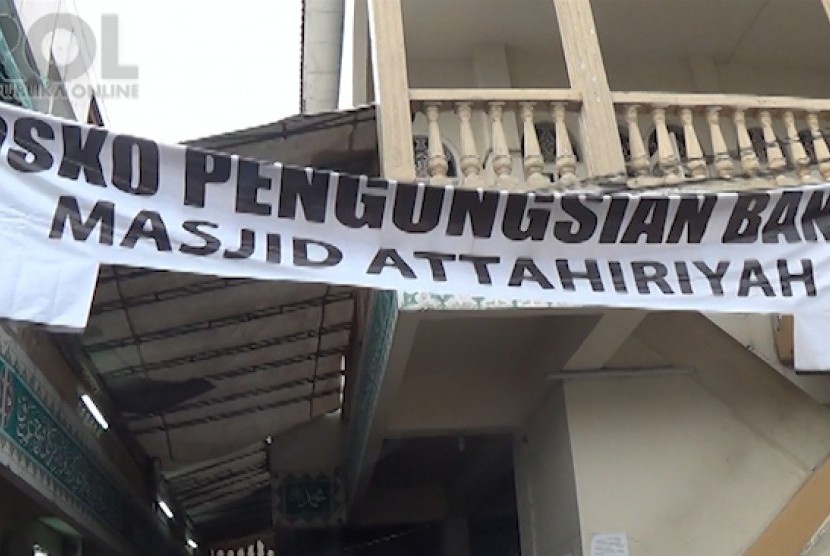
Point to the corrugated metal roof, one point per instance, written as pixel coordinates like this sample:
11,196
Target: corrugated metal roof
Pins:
202,368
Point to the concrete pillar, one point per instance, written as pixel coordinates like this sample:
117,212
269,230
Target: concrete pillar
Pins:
545,485
455,537
322,48
586,70
391,89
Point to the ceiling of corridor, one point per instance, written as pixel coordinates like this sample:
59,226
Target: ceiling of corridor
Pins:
204,370
751,32
201,366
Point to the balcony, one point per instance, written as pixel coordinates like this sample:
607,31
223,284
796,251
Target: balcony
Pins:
732,94
529,139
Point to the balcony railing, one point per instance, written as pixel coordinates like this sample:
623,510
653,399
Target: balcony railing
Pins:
477,123
254,549
526,139
747,141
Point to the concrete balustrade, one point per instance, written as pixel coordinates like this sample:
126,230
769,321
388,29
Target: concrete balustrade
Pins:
490,138
495,134
728,141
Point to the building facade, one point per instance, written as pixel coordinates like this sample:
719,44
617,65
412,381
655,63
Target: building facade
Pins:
259,418
574,432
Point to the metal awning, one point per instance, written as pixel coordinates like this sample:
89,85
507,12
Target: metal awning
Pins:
200,366
345,141
203,369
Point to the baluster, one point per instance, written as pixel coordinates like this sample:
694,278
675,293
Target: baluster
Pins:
470,161
776,162
534,163
251,550
565,157
666,157
723,165
438,166
749,160
502,163
260,548
819,145
798,154
220,553
240,552
639,162
270,552
694,154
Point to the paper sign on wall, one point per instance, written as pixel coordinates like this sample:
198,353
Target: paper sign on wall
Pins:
609,544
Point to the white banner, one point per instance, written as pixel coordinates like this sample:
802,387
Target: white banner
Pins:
75,196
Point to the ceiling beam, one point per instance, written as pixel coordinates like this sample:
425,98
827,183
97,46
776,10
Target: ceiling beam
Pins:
270,389
596,344
237,349
276,364
238,488
606,338
160,295
214,417
236,496
217,323
184,473
187,495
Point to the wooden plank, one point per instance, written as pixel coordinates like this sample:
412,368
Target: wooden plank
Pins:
601,145
800,518
704,100
502,95
391,85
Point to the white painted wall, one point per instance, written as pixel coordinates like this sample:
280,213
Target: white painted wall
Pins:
315,445
442,393
545,486
693,464
677,75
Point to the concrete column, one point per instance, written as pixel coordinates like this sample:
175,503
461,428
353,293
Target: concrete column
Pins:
322,48
391,88
455,537
598,124
545,485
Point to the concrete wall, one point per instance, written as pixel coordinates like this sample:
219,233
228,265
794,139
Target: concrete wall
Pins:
20,541
675,74
737,47
322,41
545,486
479,373
442,396
693,464
315,445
